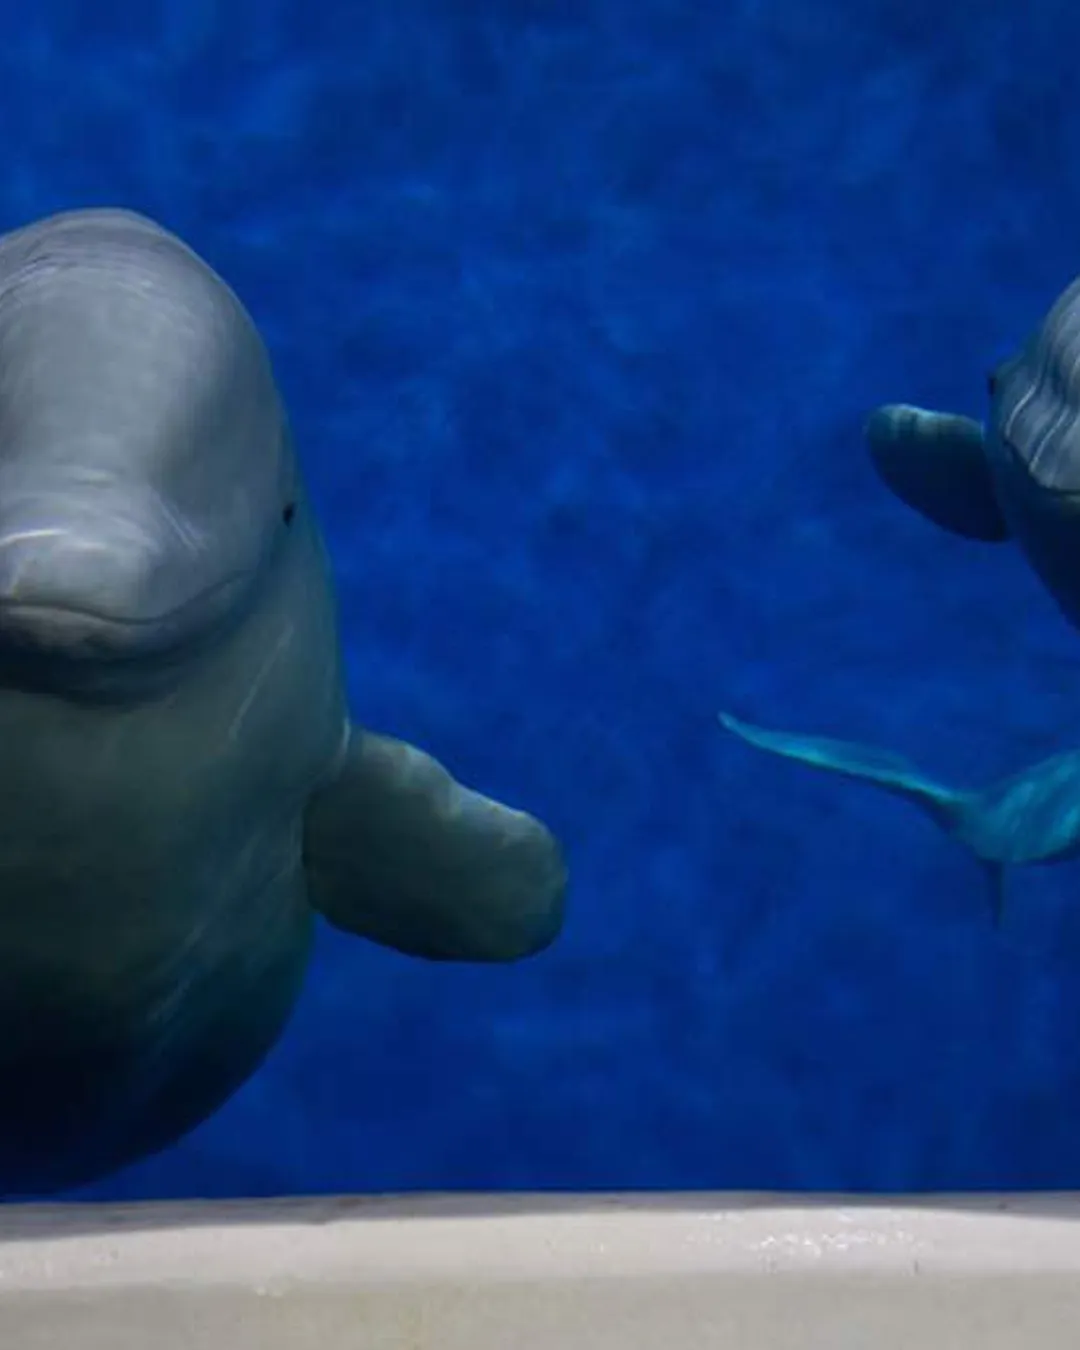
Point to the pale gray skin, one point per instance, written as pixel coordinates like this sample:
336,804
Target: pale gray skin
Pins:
1018,477
181,790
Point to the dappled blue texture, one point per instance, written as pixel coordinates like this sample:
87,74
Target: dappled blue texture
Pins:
579,306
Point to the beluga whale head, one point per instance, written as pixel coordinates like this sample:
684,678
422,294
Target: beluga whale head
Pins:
1033,448
146,474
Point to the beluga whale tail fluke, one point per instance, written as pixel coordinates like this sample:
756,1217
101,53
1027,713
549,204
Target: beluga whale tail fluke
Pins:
1029,817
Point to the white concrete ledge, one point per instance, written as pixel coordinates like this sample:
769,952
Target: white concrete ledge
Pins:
545,1273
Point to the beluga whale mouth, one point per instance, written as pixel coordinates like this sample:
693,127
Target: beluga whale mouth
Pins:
64,632
74,585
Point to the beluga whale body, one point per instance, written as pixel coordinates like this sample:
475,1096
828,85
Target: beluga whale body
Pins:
1015,476
181,788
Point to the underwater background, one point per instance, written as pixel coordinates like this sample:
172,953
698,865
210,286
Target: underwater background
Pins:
579,307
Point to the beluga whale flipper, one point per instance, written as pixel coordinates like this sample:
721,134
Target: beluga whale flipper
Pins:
1015,477
182,790
1030,817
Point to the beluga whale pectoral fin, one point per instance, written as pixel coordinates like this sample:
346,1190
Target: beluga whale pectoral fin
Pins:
397,851
936,463
1030,817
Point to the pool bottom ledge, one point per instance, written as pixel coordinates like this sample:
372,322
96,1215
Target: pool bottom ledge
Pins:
523,1272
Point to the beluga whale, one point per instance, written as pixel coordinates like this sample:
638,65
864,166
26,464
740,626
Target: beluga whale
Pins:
1013,476
182,788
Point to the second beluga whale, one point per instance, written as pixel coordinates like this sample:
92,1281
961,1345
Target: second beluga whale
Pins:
182,790
1015,477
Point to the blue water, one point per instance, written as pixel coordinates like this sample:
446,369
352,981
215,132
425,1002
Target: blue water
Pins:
579,306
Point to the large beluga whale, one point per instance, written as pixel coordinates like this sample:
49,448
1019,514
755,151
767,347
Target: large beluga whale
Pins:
1015,476
182,790
1029,817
